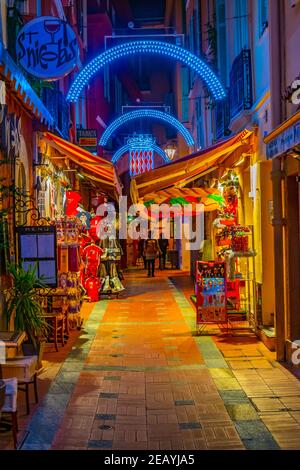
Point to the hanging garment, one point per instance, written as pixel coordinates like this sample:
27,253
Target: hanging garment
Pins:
73,258
92,286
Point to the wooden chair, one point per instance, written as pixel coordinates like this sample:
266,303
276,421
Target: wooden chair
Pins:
10,406
57,324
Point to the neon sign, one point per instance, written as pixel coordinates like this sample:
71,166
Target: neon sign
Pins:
47,48
145,113
148,47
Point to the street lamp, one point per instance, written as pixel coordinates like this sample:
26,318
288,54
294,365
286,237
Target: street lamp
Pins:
170,150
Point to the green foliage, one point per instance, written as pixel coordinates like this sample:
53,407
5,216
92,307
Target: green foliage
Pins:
23,303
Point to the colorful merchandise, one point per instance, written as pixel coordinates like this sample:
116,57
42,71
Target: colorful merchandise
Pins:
211,292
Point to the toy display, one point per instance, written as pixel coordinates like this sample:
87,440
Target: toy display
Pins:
211,292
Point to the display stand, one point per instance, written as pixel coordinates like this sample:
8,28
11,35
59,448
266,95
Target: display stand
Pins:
238,251
211,295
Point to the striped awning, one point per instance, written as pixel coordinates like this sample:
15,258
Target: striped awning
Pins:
210,198
180,173
93,167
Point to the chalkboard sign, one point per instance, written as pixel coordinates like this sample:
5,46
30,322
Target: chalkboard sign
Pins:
37,247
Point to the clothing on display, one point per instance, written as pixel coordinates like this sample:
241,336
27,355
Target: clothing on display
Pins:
109,272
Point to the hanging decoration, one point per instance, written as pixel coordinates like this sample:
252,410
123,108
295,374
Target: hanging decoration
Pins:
145,113
141,153
148,47
72,200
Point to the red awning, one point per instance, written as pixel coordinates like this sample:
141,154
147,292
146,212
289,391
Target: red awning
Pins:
181,172
95,167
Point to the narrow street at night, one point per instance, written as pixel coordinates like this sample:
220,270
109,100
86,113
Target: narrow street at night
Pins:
149,232
137,377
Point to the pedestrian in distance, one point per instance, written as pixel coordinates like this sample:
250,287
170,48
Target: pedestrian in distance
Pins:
151,252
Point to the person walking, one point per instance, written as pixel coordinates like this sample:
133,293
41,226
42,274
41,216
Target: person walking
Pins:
151,251
141,251
163,245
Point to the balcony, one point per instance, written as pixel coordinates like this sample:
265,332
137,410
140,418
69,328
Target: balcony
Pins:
222,119
240,92
57,106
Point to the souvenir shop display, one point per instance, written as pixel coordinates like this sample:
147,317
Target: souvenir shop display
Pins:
109,270
211,296
69,262
91,257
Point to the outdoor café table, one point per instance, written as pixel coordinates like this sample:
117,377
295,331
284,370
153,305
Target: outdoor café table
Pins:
12,341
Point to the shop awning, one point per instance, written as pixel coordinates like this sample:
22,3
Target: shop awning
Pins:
181,172
93,167
210,198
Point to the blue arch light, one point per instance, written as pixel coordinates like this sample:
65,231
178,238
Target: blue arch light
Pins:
118,154
147,47
145,113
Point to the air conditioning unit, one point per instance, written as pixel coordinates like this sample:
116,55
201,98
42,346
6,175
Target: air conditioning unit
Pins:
293,3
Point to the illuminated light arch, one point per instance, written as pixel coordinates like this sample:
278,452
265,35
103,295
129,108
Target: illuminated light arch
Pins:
148,47
118,154
145,113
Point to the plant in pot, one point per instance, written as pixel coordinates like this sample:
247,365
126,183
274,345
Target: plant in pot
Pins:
24,307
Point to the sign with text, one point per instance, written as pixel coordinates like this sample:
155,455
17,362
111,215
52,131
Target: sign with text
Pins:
47,48
87,138
285,141
37,247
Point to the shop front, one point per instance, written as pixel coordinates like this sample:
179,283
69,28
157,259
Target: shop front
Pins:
283,149
71,185
226,179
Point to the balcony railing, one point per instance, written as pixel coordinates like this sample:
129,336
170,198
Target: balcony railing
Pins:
59,109
240,93
222,119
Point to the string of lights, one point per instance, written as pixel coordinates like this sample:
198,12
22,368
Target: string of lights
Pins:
147,47
121,151
142,114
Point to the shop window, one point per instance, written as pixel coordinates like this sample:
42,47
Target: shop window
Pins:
221,39
240,25
185,93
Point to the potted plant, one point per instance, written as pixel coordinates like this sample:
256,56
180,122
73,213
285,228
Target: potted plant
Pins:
24,307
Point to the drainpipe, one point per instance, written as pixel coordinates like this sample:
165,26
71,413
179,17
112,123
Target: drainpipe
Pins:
277,64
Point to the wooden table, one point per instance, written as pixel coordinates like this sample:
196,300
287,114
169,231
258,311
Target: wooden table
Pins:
12,341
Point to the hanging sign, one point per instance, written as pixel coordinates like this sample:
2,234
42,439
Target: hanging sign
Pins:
87,138
47,48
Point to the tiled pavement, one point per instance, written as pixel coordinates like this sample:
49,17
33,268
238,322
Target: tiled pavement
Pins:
139,379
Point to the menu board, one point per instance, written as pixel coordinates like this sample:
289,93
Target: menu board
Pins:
37,247
211,292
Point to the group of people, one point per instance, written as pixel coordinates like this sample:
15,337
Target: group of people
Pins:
150,250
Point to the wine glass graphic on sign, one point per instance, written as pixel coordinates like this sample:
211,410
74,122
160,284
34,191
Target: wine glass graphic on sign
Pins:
52,27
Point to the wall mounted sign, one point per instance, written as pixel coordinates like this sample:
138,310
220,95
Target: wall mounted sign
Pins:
37,247
87,138
284,141
10,132
47,48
